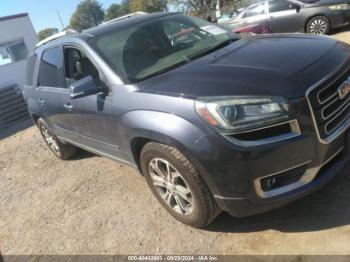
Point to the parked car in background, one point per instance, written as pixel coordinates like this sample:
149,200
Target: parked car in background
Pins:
226,17
283,16
213,121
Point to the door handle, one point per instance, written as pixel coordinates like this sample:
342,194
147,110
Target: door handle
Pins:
41,101
68,106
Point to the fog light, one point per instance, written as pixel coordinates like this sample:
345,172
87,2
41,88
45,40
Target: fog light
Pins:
271,182
282,179
268,183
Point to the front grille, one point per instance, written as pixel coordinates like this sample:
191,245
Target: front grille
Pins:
331,113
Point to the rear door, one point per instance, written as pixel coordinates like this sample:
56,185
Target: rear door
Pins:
284,16
54,97
255,14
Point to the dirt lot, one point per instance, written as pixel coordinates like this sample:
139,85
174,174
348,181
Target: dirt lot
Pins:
92,205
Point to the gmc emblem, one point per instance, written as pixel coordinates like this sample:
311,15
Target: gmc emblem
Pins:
344,90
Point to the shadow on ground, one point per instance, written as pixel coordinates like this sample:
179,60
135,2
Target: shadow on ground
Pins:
15,129
325,209
340,30
82,154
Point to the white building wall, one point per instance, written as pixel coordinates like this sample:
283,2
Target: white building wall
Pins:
15,29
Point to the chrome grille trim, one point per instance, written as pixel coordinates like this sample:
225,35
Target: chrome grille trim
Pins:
343,124
336,116
330,84
346,103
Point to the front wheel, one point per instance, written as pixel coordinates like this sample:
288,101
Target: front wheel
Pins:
177,185
318,25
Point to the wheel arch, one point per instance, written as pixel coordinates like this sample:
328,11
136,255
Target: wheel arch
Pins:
150,126
34,117
313,16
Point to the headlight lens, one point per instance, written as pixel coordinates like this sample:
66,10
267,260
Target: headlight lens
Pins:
340,7
236,114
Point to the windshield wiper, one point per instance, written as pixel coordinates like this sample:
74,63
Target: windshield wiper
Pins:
166,69
188,59
212,49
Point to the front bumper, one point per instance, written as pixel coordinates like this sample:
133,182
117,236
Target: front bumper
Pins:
242,207
234,170
340,18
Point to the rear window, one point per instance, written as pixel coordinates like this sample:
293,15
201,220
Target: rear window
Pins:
280,5
30,69
258,9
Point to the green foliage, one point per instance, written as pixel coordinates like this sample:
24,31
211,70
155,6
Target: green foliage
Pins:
42,34
117,10
149,6
200,8
89,13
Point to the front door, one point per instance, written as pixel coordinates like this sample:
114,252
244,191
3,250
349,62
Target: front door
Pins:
94,124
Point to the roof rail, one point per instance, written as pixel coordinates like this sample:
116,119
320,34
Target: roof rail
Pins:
138,13
56,36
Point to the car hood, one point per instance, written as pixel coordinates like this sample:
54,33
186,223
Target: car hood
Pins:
279,64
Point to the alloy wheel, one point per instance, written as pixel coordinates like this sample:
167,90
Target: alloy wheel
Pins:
171,186
318,26
51,142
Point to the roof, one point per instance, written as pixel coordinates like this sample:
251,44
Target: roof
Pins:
104,28
126,16
10,17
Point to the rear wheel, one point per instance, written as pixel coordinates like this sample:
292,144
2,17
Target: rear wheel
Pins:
60,150
318,25
177,185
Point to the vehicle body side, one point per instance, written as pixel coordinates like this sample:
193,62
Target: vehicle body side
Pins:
294,20
162,109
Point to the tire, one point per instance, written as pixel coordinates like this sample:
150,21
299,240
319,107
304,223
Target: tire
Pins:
60,150
318,25
199,208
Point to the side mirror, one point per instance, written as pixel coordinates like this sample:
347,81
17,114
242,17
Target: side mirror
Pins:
295,7
85,87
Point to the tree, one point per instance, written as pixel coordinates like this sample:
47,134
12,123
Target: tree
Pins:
42,34
117,10
149,6
201,8
89,13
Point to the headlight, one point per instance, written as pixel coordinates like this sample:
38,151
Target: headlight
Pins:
340,7
236,114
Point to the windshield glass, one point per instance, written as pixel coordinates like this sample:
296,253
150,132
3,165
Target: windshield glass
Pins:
142,50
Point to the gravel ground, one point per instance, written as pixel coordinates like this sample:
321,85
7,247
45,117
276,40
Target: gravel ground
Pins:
92,205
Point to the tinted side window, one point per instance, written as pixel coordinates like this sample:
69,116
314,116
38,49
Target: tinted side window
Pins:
30,69
77,66
279,5
50,66
258,9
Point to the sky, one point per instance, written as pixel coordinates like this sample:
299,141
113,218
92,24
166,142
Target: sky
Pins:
43,13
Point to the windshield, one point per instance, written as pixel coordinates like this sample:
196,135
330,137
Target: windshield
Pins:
142,50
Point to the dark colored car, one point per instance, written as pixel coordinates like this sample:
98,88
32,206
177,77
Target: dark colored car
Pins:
284,16
213,121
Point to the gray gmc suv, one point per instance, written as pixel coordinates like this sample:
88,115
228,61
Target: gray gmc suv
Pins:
211,120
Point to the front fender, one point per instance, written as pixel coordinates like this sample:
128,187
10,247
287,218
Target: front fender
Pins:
172,130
